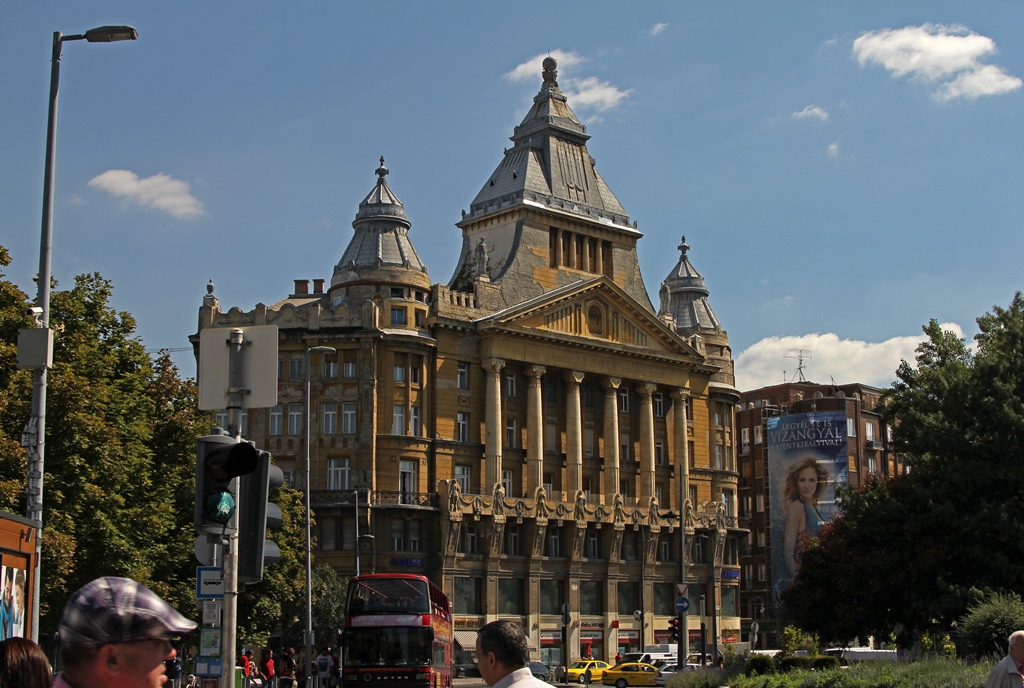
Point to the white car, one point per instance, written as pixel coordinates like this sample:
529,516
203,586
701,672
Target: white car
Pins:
665,673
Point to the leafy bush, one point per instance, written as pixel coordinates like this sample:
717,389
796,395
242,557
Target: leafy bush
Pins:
759,664
824,663
794,663
984,629
935,673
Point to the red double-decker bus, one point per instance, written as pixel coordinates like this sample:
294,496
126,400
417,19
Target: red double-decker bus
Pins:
398,632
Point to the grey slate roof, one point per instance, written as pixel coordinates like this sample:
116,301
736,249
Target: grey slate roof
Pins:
550,164
381,236
685,296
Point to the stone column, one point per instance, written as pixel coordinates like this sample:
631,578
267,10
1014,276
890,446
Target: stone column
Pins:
573,434
645,391
492,444
558,248
681,456
599,259
611,434
534,431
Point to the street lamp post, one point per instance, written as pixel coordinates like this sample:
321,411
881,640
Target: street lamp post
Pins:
308,663
37,423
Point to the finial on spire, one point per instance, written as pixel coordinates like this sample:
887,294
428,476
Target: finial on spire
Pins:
382,171
550,72
683,247
209,287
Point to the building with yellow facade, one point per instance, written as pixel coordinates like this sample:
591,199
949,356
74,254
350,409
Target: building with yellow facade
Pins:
533,435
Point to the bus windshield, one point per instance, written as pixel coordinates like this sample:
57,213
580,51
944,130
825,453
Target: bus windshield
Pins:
388,647
388,596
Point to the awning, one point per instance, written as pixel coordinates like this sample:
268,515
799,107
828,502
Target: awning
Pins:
466,639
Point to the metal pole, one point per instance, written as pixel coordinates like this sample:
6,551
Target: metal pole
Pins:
308,663
35,430
356,492
230,558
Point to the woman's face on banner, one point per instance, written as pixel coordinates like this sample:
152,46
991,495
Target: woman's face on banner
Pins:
807,483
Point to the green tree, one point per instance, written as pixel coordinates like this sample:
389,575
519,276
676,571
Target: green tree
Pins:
984,629
912,553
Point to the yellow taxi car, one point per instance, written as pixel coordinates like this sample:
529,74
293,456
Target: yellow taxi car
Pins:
630,674
587,671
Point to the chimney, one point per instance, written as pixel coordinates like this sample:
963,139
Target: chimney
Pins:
301,287
318,286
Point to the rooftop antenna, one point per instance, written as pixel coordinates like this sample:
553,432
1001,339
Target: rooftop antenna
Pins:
800,355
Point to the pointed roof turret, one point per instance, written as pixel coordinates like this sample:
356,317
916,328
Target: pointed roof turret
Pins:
685,297
549,163
380,251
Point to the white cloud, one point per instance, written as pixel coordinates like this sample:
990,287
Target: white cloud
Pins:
832,150
591,92
947,56
845,360
658,28
160,191
811,112
583,92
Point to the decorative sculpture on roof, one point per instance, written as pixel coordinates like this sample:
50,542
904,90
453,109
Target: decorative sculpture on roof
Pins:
454,497
654,512
498,503
550,72
580,510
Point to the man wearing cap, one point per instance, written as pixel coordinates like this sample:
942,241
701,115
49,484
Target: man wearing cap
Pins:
116,633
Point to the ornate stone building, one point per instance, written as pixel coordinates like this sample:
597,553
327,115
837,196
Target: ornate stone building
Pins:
533,435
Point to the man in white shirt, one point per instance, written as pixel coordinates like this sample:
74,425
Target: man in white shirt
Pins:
1008,673
503,656
324,667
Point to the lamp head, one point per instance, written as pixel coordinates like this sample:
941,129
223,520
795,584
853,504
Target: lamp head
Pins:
109,34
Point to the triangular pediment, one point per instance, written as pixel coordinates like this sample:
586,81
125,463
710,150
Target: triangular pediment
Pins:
597,313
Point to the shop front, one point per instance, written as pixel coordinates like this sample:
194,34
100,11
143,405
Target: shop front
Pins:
629,641
591,640
551,648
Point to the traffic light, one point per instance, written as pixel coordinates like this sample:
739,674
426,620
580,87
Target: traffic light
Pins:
673,627
255,517
219,460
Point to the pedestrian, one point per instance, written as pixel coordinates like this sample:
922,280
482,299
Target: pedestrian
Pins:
246,662
115,633
267,668
286,669
324,667
618,657
503,656
720,663
23,664
172,667
1009,673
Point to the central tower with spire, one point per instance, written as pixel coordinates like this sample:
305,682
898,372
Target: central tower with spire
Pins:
545,217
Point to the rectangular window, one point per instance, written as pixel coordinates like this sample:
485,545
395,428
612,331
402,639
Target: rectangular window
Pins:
510,433
337,474
623,400
588,486
415,426
463,376
510,385
549,485
869,430
280,367
688,404
399,373
328,534
413,536
331,370
588,441
276,418
464,477
593,545
719,457
759,503
462,427
245,422
397,293
398,420
294,419
295,368
221,420
552,596
349,370
659,405
512,540
550,437
510,597
757,434
408,482
330,419
590,598
348,418
624,446
397,316
469,539
467,595
416,370
506,481
851,427
587,393
659,452
628,593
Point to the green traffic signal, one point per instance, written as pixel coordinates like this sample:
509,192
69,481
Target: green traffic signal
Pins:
220,506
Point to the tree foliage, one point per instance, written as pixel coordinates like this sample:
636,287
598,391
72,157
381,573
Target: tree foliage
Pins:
119,483
983,631
912,553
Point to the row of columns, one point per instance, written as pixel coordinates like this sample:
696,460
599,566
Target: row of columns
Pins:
574,430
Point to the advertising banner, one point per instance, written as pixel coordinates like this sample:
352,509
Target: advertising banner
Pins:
807,459
12,602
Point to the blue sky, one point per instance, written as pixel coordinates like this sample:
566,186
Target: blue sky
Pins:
843,172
